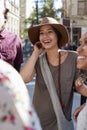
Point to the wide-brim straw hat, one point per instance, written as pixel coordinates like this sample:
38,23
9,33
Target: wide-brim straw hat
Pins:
33,32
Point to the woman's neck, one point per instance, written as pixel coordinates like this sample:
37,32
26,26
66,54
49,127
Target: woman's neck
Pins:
53,56
52,53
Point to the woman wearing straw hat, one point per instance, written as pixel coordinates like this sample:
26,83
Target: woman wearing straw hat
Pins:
55,71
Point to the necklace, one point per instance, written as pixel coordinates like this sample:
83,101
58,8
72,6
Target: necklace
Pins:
59,84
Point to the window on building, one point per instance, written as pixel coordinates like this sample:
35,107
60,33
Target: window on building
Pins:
82,7
17,3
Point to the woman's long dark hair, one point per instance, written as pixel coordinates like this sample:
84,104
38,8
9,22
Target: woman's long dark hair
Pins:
58,35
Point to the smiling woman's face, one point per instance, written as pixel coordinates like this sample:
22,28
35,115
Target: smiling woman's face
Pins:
82,53
48,37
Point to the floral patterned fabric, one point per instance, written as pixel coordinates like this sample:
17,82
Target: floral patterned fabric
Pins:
16,110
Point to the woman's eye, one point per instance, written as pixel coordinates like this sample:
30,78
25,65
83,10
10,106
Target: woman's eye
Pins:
50,31
41,33
86,42
79,43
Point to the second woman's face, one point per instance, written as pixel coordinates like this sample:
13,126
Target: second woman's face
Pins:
82,53
48,37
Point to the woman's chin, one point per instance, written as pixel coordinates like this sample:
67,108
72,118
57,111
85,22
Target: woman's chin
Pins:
79,66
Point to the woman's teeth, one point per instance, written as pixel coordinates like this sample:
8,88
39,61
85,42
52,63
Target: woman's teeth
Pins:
81,57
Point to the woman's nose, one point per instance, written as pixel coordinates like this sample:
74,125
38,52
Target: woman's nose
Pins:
45,35
79,48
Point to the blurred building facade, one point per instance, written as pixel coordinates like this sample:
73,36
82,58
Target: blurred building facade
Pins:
23,5
16,16
13,16
76,12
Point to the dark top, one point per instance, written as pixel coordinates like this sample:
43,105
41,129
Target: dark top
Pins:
42,101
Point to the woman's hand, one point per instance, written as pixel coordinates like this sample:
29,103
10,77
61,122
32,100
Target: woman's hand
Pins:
38,48
79,82
80,86
77,111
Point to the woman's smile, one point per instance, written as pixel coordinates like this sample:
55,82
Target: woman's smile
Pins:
82,62
81,57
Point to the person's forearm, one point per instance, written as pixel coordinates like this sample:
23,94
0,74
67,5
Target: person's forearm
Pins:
27,72
77,111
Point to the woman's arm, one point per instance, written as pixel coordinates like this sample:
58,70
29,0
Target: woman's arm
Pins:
28,70
77,111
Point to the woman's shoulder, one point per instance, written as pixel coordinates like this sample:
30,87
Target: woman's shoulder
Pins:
72,56
70,52
74,53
